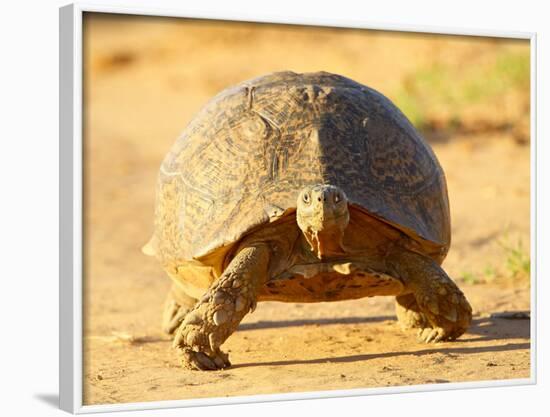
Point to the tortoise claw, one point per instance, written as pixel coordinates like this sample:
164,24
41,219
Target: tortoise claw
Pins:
431,335
193,360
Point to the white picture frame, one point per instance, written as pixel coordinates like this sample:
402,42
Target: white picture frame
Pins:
71,206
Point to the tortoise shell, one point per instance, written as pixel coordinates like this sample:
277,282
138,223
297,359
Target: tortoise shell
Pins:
244,158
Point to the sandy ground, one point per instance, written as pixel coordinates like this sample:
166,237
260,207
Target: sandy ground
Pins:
144,82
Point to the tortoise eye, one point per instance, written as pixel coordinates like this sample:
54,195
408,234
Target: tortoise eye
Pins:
306,198
337,198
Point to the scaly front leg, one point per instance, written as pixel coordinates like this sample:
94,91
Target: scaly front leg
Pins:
218,313
432,301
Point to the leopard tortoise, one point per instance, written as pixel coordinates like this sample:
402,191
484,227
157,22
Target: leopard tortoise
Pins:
301,188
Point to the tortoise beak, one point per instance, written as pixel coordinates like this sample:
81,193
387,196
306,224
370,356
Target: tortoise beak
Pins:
326,218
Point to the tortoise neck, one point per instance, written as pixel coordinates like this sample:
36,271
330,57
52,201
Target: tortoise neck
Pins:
325,243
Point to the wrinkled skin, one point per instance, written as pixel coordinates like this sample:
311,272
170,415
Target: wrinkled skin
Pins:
428,299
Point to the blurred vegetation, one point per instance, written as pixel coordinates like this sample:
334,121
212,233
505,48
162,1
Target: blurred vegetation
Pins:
454,96
517,265
518,262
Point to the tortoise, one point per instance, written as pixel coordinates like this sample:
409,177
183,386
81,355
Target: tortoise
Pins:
301,188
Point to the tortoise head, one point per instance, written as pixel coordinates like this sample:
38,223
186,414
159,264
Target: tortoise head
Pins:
322,214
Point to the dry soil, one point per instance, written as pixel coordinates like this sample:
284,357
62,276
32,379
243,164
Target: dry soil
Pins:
144,80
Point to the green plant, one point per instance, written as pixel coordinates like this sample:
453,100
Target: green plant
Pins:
444,91
489,273
518,261
469,278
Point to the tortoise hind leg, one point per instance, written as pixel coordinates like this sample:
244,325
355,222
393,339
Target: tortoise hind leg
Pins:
176,307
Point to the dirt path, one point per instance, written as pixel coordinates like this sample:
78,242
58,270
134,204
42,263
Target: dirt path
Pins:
141,91
297,348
